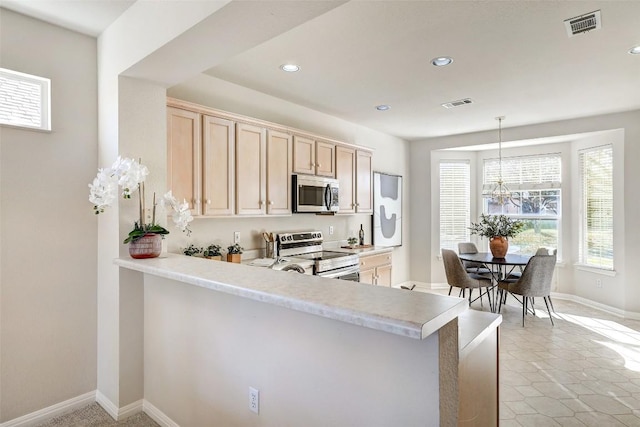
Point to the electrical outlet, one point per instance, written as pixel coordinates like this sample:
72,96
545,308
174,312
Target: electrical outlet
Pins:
331,229
236,237
254,400
598,283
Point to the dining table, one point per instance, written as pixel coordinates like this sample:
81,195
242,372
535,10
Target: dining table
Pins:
500,268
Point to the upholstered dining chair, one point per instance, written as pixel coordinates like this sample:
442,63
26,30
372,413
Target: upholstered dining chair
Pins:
540,251
458,277
470,266
534,282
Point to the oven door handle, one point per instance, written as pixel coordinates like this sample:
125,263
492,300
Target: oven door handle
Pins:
340,272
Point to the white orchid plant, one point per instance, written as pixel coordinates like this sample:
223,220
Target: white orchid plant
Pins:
130,175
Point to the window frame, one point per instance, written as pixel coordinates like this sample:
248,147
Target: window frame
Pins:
45,99
583,220
466,199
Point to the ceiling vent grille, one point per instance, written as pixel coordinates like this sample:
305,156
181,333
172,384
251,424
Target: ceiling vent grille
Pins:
583,23
458,103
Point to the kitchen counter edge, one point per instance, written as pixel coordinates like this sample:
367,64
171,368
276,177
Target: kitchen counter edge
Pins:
410,314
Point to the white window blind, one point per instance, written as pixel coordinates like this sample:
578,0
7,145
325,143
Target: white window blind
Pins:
596,228
535,183
25,100
455,203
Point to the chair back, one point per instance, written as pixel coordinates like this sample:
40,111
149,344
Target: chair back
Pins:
469,248
456,274
536,277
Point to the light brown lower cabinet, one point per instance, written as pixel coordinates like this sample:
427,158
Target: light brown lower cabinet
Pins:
376,269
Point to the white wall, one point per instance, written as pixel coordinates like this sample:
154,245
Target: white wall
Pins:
47,227
623,130
204,349
390,155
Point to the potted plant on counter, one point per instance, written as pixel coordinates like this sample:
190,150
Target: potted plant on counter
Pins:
234,253
192,250
213,252
145,240
352,242
498,229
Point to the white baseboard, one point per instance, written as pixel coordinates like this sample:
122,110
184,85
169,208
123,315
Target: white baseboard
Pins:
52,411
115,412
157,415
593,304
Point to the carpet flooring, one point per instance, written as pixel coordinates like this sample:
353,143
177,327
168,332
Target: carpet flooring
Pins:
94,416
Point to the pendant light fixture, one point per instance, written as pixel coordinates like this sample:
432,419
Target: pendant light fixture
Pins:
500,193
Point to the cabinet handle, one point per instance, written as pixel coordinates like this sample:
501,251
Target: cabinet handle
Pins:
270,202
319,165
208,201
363,263
357,204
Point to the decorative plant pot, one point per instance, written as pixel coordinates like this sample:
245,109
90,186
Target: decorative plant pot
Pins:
148,246
214,258
237,258
499,246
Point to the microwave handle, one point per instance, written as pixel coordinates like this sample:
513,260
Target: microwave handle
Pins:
327,197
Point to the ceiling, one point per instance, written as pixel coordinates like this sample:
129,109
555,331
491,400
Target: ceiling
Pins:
512,58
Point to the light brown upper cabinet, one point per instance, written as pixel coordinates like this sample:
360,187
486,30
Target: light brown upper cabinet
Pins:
184,156
313,157
251,174
353,170
218,166
279,160
364,193
345,173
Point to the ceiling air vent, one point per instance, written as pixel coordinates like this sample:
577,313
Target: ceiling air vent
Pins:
583,23
458,103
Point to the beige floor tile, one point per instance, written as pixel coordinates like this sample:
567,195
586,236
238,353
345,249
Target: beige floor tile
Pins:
554,390
569,422
528,391
537,420
596,419
548,406
576,405
605,404
520,408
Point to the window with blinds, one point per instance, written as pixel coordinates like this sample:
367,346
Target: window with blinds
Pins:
455,203
596,227
25,100
535,183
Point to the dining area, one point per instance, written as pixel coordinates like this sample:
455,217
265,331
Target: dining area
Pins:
495,274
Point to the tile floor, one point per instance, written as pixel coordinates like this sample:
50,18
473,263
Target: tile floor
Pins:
584,371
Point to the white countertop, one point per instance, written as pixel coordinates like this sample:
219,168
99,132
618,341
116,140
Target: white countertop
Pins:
374,250
411,314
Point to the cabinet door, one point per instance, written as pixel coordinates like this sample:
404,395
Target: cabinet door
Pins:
184,157
217,166
304,152
345,173
278,173
364,200
367,276
383,275
325,159
250,170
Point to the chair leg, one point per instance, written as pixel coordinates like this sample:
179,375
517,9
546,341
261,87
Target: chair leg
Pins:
524,309
461,293
533,307
500,292
450,289
551,302
470,292
549,311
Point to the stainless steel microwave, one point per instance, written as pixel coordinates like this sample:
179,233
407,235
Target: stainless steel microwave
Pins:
314,194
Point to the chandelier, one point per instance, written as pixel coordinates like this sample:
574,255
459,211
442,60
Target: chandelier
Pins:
500,193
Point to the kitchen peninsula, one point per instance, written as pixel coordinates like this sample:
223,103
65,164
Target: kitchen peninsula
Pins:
320,351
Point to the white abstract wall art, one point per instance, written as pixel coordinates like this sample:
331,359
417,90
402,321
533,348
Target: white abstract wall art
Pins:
387,209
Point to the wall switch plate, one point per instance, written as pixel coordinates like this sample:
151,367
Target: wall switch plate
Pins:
331,229
254,400
236,237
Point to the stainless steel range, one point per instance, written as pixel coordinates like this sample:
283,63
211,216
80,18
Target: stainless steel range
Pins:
308,245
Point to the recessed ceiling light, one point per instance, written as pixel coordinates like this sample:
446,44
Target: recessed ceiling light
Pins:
290,68
441,61
382,107
635,50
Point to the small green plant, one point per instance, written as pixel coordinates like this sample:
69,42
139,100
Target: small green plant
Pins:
212,250
235,249
192,250
352,241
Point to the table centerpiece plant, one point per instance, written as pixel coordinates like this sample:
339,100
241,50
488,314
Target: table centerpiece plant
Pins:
498,229
145,240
